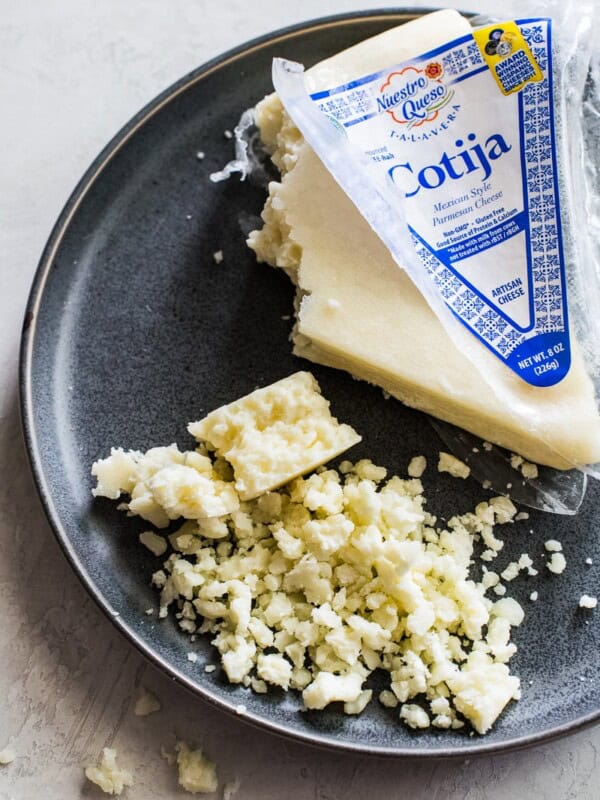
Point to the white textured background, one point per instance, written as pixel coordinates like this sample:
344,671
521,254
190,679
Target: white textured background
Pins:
71,73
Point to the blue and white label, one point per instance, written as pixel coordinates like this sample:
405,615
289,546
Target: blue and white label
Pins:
466,134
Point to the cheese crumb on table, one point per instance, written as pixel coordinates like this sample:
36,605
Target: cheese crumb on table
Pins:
534,596
453,466
108,775
587,601
218,257
7,756
196,772
146,704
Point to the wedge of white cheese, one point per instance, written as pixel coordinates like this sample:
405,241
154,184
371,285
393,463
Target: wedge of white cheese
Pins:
357,311
275,434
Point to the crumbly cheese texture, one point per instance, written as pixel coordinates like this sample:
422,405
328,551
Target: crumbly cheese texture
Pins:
146,704
275,434
196,773
357,311
314,586
334,576
108,775
164,484
7,756
557,563
453,466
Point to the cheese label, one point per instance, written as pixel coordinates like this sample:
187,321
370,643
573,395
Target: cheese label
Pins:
508,56
466,134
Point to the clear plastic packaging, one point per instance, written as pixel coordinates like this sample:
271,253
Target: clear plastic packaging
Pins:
575,78
576,109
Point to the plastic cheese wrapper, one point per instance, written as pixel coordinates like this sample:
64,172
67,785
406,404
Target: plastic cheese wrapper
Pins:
466,160
467,163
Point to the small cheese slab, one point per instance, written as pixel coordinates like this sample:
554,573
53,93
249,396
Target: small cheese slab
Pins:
359,312
275,434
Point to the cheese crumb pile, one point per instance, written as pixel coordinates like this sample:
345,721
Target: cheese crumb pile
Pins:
316,585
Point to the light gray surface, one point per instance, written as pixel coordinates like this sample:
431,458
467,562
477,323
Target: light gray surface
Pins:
72,74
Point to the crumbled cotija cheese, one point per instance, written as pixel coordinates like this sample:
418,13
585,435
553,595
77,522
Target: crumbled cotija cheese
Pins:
357,581
315,585
108,775
417,466
587,601
7,756
146,703
275,434
453,466
196,772
165,484
553,546
557,563
527,469
155,543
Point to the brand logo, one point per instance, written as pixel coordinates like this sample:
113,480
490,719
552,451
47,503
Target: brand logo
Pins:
413,96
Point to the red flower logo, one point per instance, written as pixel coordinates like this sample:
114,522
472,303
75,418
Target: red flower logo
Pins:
434,70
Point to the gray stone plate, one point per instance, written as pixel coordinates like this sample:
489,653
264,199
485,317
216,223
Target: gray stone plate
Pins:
132,330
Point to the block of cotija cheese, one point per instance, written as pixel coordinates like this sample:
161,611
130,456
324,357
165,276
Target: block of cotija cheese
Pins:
357,311
275,434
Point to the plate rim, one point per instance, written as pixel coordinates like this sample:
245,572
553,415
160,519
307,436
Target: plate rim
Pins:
28,428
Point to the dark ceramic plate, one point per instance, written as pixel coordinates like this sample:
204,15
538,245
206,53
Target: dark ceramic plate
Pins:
133,330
